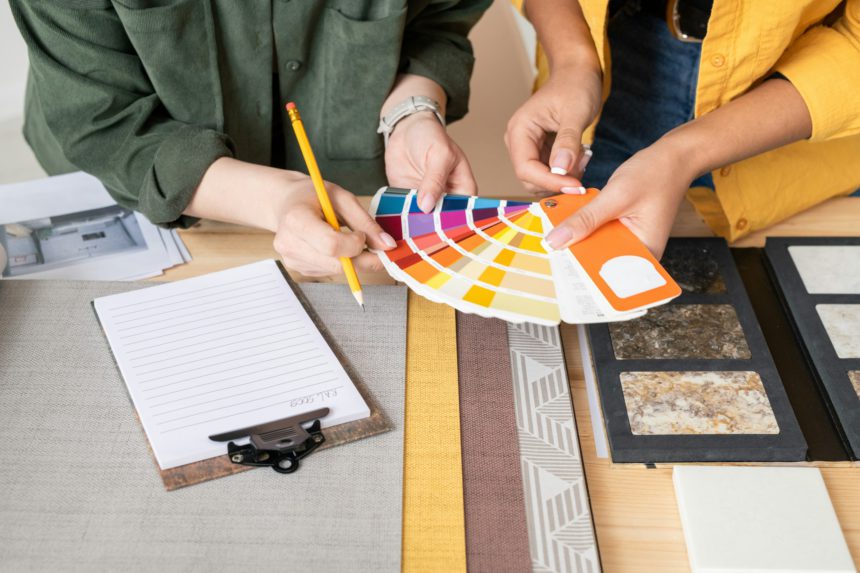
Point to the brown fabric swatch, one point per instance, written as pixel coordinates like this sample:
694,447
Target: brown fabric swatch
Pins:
496,529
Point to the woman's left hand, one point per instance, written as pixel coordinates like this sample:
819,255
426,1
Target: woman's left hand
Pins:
422,156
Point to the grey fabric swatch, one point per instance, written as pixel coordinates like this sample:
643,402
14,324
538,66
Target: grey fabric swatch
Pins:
79,490
561,531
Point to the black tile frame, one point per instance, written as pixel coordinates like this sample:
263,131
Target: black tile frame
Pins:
830,371
788,445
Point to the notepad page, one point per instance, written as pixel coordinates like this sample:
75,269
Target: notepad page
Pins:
222,352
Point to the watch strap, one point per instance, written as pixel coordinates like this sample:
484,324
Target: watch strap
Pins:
404,109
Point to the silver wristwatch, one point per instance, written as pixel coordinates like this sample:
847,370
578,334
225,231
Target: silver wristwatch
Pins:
406,108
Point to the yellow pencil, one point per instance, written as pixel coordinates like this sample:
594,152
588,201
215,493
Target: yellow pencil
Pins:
322,195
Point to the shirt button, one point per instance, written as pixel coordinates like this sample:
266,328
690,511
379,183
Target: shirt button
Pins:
294,65
718,60
726,170
741,224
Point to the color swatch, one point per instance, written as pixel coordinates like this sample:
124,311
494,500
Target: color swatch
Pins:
487,256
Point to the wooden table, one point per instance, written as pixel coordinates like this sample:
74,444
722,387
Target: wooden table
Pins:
637,521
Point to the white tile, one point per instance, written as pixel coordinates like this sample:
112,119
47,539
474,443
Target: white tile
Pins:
842,323
759,519
828,269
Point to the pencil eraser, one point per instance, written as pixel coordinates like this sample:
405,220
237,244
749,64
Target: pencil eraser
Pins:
291,105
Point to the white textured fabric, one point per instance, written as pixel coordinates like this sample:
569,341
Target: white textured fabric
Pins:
79,490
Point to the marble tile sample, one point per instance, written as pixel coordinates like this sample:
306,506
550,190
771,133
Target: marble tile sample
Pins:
842,323
828,269
854,376
699,403
693,267
698,331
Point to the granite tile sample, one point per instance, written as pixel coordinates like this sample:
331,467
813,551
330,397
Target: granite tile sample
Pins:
828,269
700,403
854,376
699,331
693,267
842,323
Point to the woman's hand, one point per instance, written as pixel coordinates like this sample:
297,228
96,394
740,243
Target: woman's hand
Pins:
309,245
422,156
644,194
546,131
285,203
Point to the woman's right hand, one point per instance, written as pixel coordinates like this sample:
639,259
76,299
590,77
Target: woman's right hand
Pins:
546,131
309,245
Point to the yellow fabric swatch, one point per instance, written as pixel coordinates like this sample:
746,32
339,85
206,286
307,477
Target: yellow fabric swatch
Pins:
434,531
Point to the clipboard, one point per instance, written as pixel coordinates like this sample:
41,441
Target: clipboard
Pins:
221,466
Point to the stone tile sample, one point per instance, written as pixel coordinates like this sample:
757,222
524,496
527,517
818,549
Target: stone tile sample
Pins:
699,331
842,323
693,267
701,403
828,269
854,376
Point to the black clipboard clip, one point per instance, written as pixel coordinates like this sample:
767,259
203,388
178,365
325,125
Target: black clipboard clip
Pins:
279,444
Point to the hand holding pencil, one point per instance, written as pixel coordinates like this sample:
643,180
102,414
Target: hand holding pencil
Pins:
326,206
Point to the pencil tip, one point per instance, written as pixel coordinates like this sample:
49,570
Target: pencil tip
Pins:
359,298
362,308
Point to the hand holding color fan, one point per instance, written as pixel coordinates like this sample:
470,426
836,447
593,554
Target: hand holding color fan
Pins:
488,257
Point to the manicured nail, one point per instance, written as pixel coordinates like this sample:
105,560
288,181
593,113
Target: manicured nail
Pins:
559,237
387,240
426,203
573,190
562,162
586,157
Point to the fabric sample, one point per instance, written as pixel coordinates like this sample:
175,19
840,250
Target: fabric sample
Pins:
561,531
433,523
842,323
681,331
697,403
87,497
492,482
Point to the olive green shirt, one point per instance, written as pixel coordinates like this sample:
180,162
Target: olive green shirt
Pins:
146,94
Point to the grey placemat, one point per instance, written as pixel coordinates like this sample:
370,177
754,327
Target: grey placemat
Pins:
561,531
78,488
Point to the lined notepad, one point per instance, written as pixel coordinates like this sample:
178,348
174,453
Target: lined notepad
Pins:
222,352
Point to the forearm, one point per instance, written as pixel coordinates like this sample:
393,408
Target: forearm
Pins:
767,117
562,32
408,85
243,193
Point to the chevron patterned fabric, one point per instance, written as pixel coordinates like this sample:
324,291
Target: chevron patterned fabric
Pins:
561,532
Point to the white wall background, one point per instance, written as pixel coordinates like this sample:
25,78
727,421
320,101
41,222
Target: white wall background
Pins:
13,66
504,48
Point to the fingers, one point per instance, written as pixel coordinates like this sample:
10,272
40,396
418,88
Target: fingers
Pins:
358,219
566,150
602,209
461,180
439,165
525,140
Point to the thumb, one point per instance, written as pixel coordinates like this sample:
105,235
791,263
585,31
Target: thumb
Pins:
566,149
440,163
584,222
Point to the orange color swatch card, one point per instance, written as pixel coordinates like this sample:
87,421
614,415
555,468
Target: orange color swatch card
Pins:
488,257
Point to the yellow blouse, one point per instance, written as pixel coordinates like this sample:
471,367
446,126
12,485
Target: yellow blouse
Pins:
815,44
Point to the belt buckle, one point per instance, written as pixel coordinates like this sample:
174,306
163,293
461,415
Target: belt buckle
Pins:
673,20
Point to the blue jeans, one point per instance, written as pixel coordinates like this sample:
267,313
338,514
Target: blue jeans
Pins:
654,80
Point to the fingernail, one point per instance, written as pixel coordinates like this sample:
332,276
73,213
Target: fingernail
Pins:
388,240
559,237
562,162
573,190
586,157
426,203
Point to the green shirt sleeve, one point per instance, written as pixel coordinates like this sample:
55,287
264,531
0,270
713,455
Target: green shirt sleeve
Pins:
436,45
94,99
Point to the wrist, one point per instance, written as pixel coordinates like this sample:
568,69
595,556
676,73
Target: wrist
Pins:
576,59
687,150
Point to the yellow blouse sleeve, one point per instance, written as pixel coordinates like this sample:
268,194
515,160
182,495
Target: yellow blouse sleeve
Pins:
824,65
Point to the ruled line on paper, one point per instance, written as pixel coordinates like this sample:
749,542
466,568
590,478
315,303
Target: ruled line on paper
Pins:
220,352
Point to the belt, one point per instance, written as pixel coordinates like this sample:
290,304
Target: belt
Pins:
687,19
